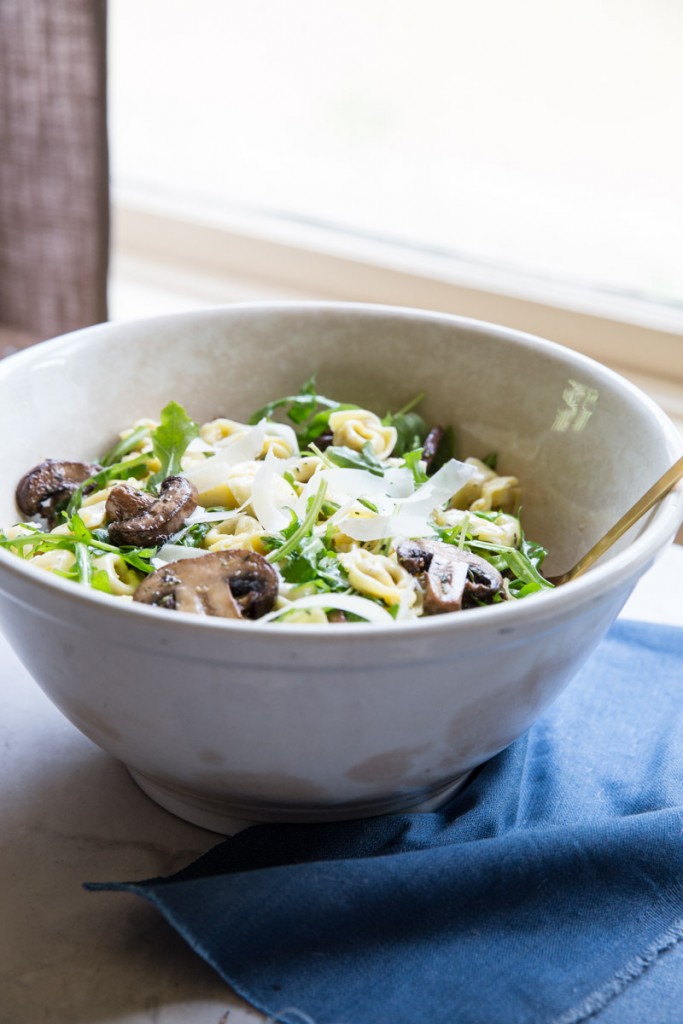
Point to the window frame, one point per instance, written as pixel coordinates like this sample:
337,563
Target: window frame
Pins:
272,256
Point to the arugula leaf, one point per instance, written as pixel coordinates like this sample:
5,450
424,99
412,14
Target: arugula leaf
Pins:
79,530
411,430
491,460
517,561
536,553
83,564
301,406
79,540
308,410
125,446
40,542
320,423
301,530
524,569
193,536
411,460
298,408
170,439
519,589
312,563
138,558
328,509
276,540
349,458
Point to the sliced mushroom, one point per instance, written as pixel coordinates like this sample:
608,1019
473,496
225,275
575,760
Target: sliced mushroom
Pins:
324,440
46,488
125,502
141,520
431,445
453,579
233,584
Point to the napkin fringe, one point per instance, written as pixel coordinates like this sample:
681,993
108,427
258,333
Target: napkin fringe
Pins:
630,972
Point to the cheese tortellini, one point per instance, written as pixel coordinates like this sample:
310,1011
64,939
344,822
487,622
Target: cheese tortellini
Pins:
378,576
355,428
485,491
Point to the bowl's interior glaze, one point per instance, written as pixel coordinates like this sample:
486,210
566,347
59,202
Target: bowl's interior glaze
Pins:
584,443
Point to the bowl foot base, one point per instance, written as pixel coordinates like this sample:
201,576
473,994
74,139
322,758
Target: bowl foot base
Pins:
215,818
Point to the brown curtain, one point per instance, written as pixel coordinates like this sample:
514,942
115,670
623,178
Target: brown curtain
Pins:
54,203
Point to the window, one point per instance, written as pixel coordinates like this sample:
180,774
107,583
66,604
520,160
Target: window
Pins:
526,150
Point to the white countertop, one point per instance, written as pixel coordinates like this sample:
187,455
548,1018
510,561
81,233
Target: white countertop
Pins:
69,813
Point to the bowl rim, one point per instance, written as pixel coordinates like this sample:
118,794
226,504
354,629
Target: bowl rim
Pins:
626,564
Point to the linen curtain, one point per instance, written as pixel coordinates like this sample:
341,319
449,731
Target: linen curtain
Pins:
54,203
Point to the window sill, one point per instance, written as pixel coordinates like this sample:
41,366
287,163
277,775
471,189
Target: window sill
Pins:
168,261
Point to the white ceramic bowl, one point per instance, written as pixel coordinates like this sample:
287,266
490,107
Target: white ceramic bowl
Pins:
220,719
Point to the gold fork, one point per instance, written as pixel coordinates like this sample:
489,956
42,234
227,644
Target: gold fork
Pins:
658,490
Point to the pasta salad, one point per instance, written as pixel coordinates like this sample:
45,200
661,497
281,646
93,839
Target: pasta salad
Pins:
314,512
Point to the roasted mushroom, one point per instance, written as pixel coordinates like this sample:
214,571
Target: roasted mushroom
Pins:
141,520
453,579
430,448
324,440
46,488
233,584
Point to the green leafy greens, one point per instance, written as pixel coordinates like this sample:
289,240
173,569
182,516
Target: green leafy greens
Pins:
81,541
349,458
170,439
296,533
125,446
411,429
308,410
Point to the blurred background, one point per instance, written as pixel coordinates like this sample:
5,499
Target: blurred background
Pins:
517,163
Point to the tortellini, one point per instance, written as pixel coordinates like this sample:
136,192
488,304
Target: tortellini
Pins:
59,560
219,483
305,617
303,468
378,576
221,429
145,443
504,529
280,441
239,532
93,506
487,491
354,428
121,578
503,492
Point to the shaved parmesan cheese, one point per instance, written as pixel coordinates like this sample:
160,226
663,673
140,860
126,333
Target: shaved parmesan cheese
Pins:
173,553
200,515
198,444
271,495
238,448
411,516
403,524
446,482
284,431
345,602
344,486
399,482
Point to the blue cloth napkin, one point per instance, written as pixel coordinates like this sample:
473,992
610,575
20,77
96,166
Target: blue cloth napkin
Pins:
549,890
